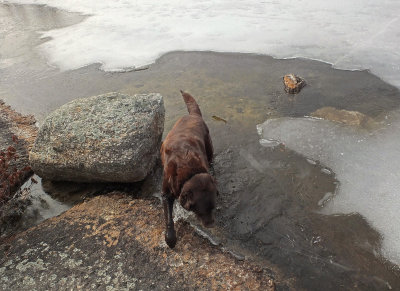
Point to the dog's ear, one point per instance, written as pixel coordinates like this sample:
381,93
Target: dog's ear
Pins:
186,199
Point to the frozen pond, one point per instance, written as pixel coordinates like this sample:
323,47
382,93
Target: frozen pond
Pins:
350,34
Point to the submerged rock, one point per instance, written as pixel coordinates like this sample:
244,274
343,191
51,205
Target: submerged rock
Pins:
343,116
293,84
105,138
113,242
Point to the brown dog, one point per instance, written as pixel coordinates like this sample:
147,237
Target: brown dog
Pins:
186,154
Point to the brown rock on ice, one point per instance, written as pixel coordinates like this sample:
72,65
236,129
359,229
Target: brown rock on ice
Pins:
354,118
293,84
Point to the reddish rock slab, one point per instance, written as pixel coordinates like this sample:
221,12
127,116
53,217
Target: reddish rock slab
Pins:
114,242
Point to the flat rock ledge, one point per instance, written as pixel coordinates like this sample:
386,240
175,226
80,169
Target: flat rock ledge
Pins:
114,242
106,138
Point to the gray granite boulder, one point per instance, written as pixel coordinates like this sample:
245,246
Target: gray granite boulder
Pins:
107,138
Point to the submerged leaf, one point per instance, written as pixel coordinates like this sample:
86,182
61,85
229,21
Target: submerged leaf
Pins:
217,118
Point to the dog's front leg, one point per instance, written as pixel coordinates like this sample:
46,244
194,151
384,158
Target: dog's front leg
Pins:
170,234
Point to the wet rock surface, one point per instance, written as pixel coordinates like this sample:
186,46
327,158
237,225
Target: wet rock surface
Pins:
281,226
293,84
106,138
114,242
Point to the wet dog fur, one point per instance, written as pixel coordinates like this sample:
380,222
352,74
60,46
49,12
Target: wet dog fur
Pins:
186,155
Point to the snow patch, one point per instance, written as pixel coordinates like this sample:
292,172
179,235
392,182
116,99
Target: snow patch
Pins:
121,35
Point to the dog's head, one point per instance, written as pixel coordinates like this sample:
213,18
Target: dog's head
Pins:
198,195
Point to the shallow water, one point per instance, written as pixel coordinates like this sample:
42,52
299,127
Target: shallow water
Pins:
271,197
366,164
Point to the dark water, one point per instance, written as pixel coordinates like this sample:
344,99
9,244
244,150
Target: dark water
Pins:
270,197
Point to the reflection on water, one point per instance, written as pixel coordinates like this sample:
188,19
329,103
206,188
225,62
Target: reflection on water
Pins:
20,60
270,198
20,25
42,206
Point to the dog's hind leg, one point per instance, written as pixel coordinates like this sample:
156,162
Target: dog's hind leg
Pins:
209,148
170,234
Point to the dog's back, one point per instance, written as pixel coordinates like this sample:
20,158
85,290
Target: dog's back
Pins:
187,149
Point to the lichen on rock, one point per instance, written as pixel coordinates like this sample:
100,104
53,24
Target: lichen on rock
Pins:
114,242
106,138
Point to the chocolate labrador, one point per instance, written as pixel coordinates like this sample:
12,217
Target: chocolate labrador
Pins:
186,154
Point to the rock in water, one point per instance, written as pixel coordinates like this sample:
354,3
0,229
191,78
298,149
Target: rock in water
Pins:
107,138
343,116
293,83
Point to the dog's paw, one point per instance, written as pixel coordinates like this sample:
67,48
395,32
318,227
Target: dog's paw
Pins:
170,238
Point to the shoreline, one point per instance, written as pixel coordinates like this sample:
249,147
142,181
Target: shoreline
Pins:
245,90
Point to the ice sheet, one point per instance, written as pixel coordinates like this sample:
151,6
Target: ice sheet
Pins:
350,34
366,164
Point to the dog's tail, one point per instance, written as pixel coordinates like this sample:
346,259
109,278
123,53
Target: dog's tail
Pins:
191,104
